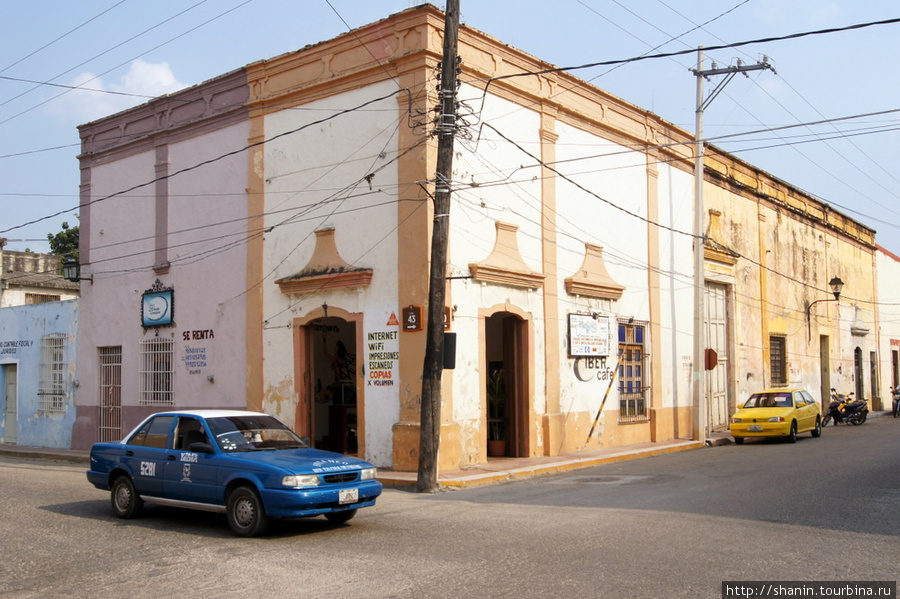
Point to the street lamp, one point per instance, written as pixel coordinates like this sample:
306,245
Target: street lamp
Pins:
836,285
71,271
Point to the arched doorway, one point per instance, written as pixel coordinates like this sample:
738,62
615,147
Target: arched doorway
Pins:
329,408
506,380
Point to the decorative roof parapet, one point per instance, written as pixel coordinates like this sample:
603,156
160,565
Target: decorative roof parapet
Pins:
325,270
715,249
592,279
505,265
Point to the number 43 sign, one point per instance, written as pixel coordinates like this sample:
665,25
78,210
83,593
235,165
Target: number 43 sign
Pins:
412,318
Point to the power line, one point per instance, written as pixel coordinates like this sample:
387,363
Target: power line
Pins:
207,22
209,161
71,31
691,51
108,50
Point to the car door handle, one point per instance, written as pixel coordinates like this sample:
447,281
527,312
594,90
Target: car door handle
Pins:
129,453
172,458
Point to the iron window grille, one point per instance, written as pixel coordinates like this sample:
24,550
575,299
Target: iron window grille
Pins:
40,298
157,372
778,360
633,380
52,389
110,393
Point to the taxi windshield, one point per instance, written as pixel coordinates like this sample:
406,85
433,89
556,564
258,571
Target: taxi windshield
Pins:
253,433
769,400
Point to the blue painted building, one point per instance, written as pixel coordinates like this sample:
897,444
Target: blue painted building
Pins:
37,374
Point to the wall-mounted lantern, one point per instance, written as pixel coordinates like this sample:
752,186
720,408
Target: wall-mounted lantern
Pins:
71,271
837,285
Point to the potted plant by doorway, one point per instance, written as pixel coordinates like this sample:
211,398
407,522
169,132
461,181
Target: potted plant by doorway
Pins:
496,408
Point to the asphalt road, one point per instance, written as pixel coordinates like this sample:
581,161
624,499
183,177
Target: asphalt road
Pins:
676,525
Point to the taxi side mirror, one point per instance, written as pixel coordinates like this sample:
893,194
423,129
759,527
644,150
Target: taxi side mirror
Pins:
201,448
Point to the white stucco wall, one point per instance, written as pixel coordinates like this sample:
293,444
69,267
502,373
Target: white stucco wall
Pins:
497,181
315,179
491,186
676,278
602,181
16,296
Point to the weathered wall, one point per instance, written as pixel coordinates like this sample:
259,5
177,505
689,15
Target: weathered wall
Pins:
22,329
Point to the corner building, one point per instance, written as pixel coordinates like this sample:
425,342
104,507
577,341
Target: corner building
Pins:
283,211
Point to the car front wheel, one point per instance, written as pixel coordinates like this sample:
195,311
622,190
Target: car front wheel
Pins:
246,515
126,503
792,436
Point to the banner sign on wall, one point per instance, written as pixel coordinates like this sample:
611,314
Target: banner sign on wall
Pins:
157,306
588,335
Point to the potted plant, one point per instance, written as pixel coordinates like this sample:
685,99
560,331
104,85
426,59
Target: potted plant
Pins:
496,408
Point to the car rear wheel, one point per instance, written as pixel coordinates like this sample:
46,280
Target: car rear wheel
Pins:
126,503
340,517
792,436
246,515
817,431
739,440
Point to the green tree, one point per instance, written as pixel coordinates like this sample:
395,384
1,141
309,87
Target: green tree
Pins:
64,243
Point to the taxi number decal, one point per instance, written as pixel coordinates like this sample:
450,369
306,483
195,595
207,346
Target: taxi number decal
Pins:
148,468
189,457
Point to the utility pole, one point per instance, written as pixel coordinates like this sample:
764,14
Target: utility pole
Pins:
430,423
698,379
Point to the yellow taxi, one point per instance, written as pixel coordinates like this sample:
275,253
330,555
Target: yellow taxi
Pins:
777,413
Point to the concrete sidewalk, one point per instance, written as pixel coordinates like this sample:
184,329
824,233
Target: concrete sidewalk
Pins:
495,471
508,469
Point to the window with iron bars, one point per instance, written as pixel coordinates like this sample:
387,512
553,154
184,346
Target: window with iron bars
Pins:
157,372
633,401
40,298
110,393
52,388
778,360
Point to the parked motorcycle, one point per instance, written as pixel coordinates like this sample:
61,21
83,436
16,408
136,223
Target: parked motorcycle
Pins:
895,408
845,409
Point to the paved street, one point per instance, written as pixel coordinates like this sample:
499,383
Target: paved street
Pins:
670,526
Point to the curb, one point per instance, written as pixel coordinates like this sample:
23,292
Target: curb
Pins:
480,476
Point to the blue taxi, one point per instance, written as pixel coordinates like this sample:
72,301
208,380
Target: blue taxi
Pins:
247,465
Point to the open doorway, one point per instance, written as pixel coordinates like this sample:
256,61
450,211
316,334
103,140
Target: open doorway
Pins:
10,400
507,385
332,414
858,371
824,371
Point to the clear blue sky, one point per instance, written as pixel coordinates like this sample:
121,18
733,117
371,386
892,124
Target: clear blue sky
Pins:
151,48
